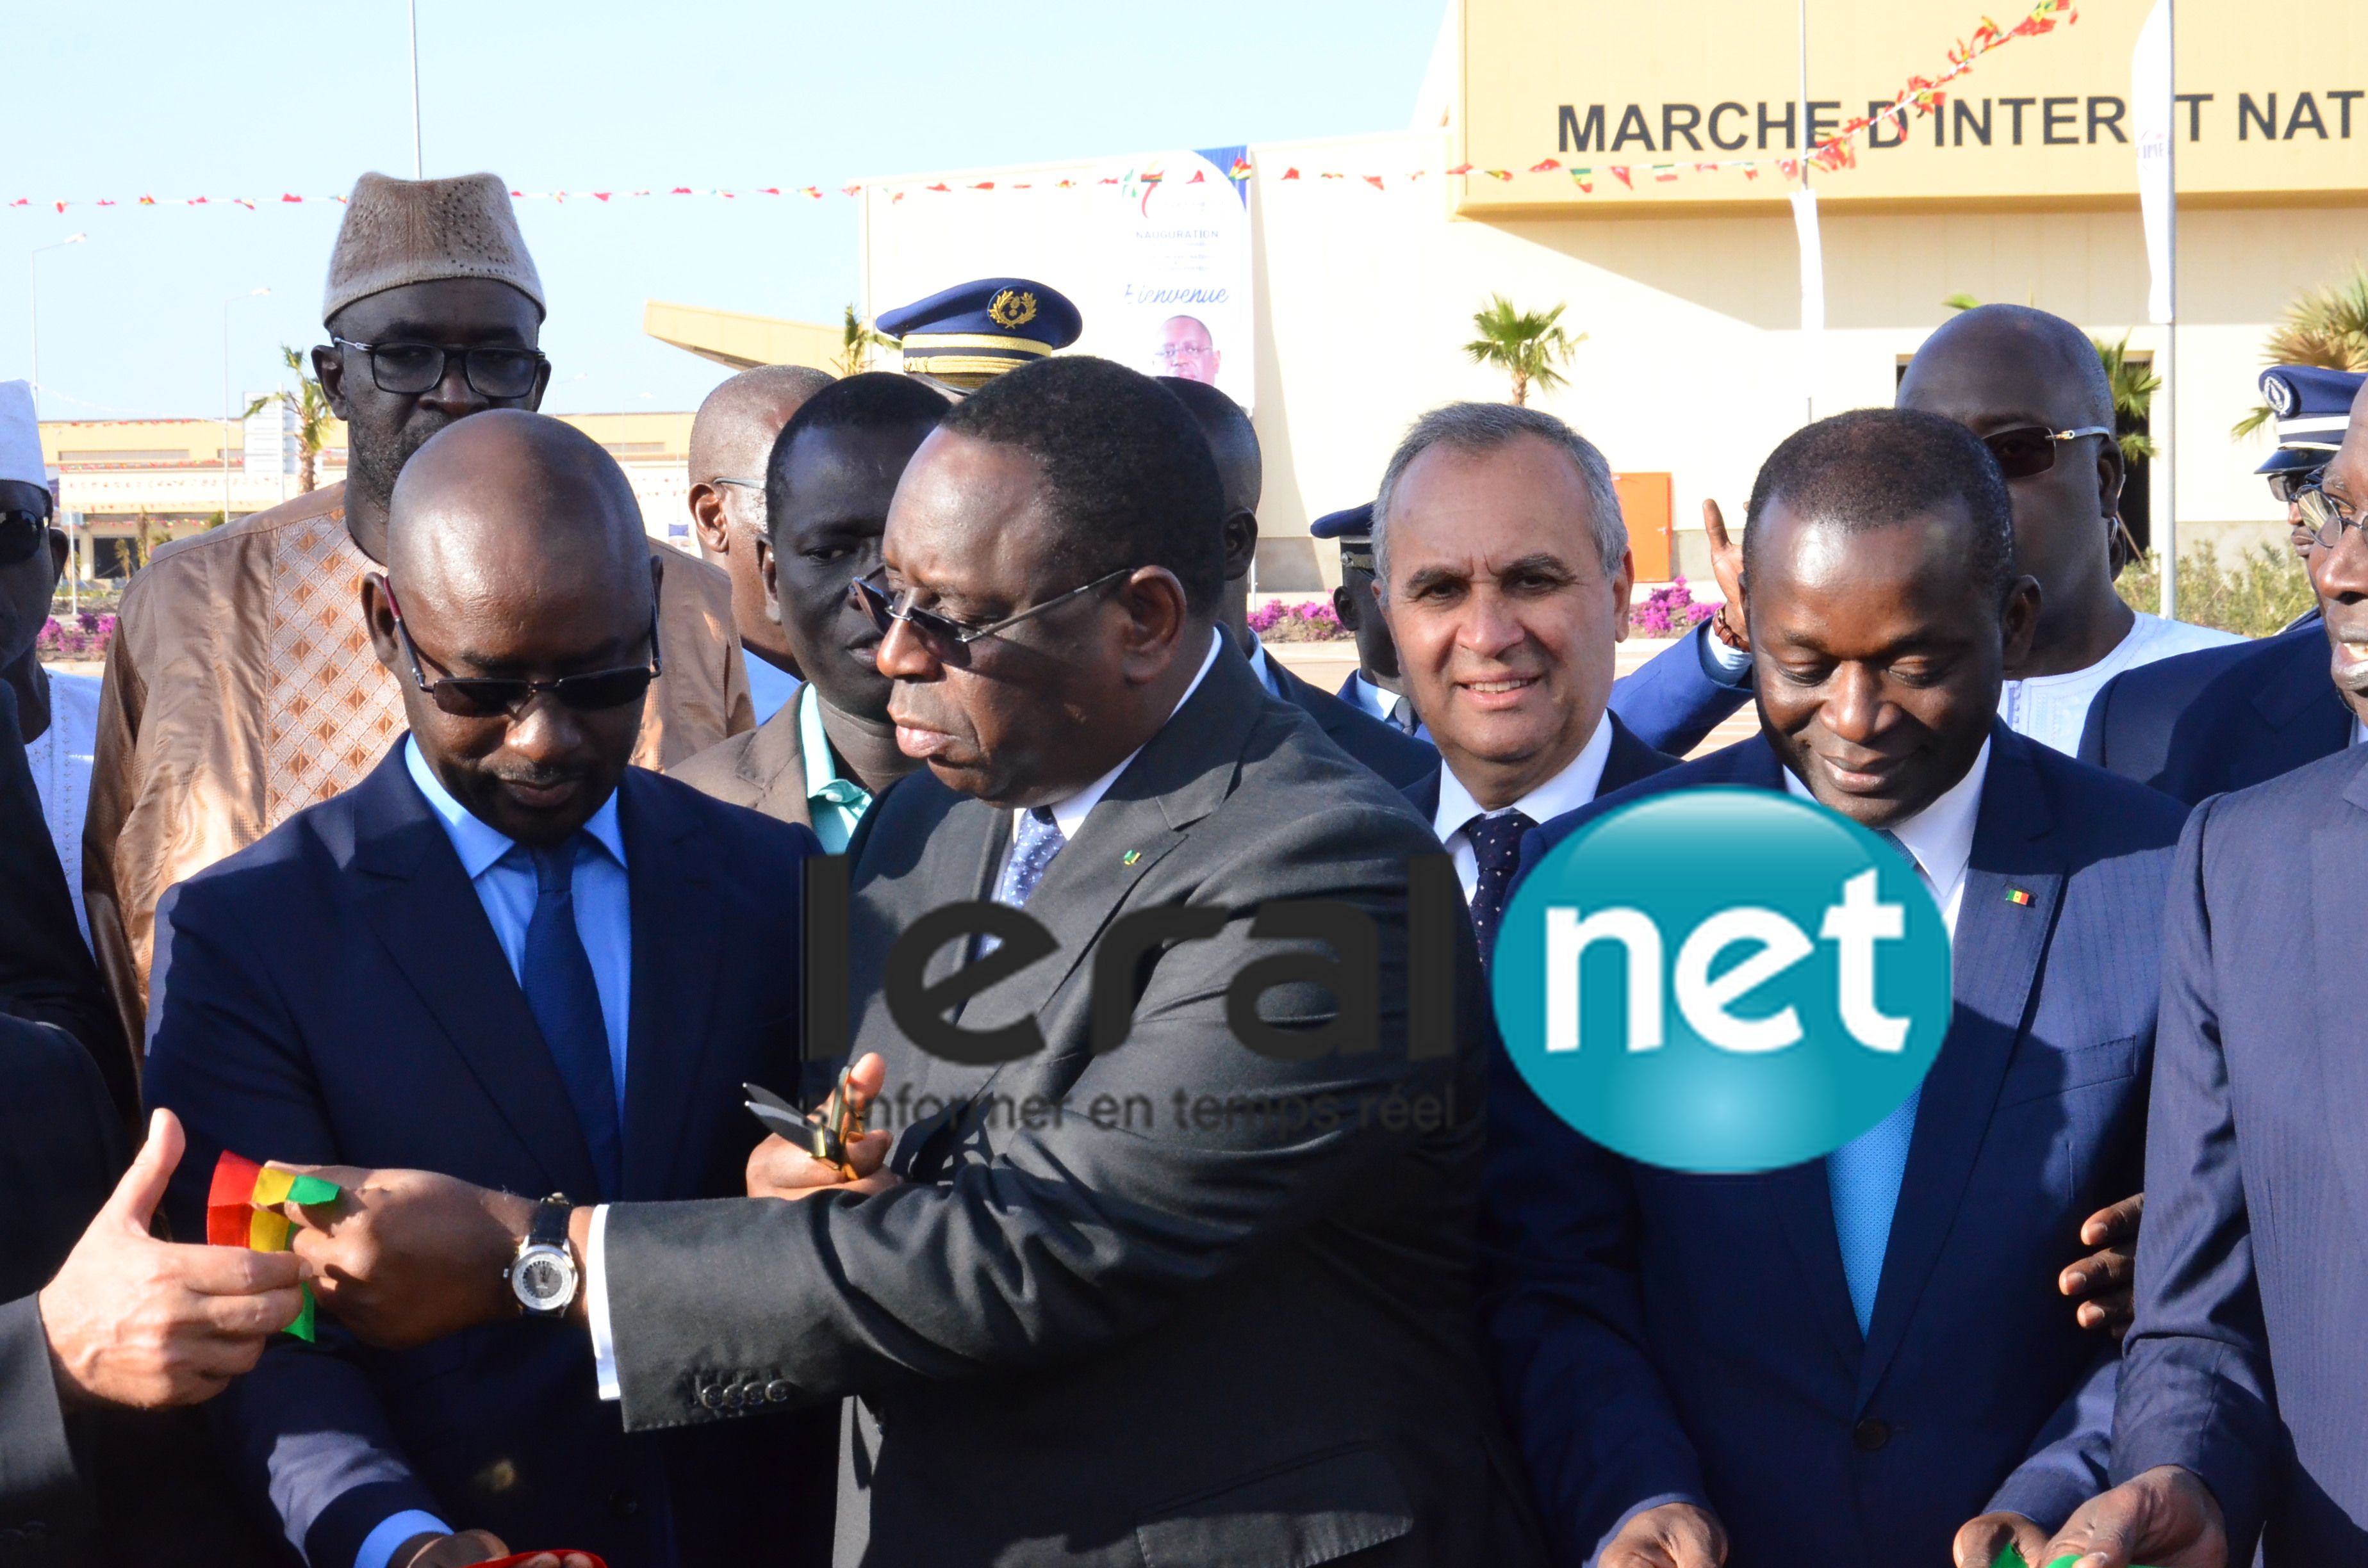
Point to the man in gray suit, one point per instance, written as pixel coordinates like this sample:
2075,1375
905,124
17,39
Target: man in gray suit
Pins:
1171,1259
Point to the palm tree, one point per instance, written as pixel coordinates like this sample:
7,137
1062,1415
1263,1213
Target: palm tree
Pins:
314,416
1528,344
857,342
2134,384
2327,327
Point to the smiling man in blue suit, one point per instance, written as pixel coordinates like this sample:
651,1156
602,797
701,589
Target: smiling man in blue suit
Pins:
501,956
1863,1362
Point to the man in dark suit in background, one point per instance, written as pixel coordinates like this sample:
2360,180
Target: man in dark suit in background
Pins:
1092,1316
2240,1415
830,751
1387,749
500,956
2222,719
1844,1363
1505,580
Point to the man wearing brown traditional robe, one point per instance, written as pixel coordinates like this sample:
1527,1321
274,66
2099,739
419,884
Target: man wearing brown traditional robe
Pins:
241,686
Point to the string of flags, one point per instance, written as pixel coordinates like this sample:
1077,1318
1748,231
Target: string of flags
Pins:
1921,95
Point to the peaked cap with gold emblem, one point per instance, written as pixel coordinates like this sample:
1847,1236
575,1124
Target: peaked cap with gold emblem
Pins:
972,333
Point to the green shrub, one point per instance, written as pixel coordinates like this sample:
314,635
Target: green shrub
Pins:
2257,597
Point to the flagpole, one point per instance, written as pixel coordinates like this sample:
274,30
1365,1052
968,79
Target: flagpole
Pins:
1801,147
418,170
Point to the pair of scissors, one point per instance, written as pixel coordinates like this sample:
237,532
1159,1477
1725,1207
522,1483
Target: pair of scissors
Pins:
828,1134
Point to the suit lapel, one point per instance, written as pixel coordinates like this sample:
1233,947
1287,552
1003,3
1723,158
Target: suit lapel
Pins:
1995,962
1630,758
675,942
2304,717
1179,776
420,903
2338,859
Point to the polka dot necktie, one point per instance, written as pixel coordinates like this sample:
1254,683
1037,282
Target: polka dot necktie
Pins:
1033,844
1495,839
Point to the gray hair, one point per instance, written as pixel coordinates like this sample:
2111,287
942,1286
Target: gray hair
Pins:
1475,428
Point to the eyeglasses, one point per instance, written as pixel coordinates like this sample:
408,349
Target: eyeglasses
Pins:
467,696
1169,353
950,638
2031,448
22,534
414,367
2288,485
2325,517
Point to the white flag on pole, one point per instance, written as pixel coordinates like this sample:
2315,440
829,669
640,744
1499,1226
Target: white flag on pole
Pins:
1813,289
2152,105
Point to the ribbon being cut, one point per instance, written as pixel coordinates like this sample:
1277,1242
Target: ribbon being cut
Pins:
243,1210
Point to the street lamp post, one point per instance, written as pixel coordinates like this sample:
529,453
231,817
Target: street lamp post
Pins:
33,271
234,299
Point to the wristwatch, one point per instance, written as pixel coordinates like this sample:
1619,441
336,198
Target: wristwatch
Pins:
543,1277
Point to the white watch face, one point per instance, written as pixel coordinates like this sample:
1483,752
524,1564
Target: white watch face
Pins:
543,1278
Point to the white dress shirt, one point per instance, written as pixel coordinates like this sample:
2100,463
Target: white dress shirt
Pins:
2054,709
1941,836
1574,786
60,758
1069,815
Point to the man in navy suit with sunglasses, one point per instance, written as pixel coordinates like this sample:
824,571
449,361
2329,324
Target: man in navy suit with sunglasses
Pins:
498,957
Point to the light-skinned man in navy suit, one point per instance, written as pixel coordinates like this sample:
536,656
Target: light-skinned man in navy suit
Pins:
2240,1411
509,956
1863,1362
1505,573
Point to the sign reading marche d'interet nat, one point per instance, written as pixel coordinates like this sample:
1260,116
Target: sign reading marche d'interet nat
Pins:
2048,117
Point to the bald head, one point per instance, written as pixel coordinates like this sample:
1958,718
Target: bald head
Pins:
2026,344
736,425
527,595
517,505
1233,440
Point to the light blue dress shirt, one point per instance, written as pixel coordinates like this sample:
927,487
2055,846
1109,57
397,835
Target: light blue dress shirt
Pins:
769,686
503,876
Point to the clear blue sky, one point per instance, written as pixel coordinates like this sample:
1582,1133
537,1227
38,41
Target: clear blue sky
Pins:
170,98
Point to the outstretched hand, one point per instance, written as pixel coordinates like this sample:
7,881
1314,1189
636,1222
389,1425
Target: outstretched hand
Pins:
1726,569
134,1320
2165,1517
780,1168
403,1258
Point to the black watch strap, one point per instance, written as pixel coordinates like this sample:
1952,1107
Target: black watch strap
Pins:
549,1227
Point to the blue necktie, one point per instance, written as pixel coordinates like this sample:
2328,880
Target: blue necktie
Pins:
1862,1179
1497,847
556,975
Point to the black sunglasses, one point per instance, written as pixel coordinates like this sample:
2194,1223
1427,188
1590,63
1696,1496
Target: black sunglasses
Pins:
22,535
950,638
471,696
2288,485
414,367
2031,448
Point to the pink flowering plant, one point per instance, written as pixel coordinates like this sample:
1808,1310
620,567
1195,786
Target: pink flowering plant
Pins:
80,637
1306,620
1670,610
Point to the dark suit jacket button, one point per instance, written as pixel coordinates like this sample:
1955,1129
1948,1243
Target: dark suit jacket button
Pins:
779,1391
624,1505
1871,1435
712,1397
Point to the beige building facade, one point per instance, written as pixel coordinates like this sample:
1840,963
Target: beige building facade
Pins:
1367,268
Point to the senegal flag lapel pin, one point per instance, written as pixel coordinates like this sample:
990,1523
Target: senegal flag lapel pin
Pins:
1131,855
2019,898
